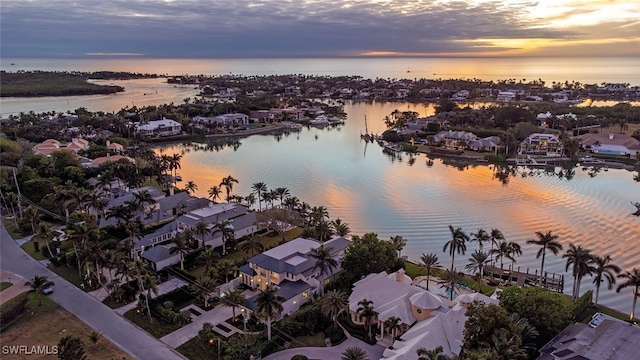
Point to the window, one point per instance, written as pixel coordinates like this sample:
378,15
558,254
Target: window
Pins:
419,311
305,294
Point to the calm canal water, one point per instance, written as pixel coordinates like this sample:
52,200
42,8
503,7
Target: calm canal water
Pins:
375,192
398,196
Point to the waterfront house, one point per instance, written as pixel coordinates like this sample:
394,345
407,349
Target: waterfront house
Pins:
236,119
241,221
48,146
164,127
290,268
611,144
506,96
454,139
541,145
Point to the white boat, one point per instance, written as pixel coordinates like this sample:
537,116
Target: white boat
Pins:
392,146
335,120
319,120
178,177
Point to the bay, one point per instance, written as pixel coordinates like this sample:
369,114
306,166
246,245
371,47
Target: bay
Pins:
375,192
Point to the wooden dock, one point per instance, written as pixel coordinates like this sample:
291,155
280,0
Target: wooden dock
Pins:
551,281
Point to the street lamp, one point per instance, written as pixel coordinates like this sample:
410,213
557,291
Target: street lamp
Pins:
211,343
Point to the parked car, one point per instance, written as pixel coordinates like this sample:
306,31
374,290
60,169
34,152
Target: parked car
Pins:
48,290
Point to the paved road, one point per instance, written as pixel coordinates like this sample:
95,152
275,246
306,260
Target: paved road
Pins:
117,329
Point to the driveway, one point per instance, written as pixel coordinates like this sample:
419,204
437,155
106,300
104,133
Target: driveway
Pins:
115,328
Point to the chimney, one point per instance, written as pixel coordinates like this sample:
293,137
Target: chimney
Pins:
400,275
610,136
108,143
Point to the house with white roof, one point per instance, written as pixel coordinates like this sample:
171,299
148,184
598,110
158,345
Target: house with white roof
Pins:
292,270
506,96
541,145
240,220
164,127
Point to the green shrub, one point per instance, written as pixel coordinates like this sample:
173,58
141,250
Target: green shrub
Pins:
299,357
11,310
582,303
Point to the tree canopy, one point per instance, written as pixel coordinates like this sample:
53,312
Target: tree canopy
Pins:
367,255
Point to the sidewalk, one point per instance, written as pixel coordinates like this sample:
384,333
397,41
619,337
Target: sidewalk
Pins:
14,290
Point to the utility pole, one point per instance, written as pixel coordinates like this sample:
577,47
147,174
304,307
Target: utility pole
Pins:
19,194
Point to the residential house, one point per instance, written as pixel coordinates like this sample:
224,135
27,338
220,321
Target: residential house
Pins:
49,146
454,139
541,145
611,144
486,144
105,159
241,221
461,95
235,119
292,270
506,96
114,147
164,127
604,337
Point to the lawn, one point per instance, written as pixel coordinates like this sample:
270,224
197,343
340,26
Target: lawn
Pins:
47,324
68,273
413,270
156,328
4,285
315,340
9,225
586,315
29,249
196,349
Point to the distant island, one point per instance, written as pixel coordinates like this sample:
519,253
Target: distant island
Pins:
44,83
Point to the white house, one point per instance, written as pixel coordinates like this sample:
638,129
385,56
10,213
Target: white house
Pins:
164,127
541,144
506,96
292,270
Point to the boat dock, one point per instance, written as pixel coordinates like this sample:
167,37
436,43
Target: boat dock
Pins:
550,281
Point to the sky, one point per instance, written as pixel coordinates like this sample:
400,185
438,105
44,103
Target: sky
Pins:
318,28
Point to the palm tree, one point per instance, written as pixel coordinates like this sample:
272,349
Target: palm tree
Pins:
449,281
365,310
496,238
324,262
209,255
456,244
225,268
546,241
340,228
503,251
202,229
393,325
46,233
253,245
282,193
434,354
260,188
581,260
32,215
333,303
134,230
632,280
233,299
190,187
174,163
430,262
139,269
180,246
514,250
481,237
38,284
477,262
603,269
214,193
202,288
143,198
270,304
228,184
399,243
228,233
354,353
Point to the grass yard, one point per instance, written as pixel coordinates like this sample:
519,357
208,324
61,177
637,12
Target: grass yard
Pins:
414,270
8,224
46,324
315,340
196,349
68,273
156,328
29,249
4,285
586,315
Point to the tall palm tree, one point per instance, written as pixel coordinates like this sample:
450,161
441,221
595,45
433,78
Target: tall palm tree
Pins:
582,261
253,245
202,288
134,230
433,354
430,261
225,268
174,164
340,228
38,284
545,241
209,255
139,269
233,299
228,233
318,213
214,193
180,246
228,182
503,250
190,187
282,193
333,303
399,243
46,233
481,237
456,244
143,198
366,310
477,262
603,269
514,250
260,188
354,353
324,262
32,215
450,280
632,279
393,325
202,229
270,305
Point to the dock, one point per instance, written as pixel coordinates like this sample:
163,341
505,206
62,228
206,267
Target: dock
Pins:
550,281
